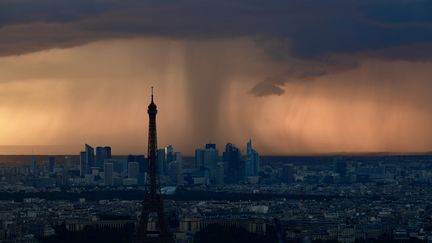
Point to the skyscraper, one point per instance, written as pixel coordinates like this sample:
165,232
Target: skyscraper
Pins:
252,161
153,202
169,153
108,172
102,153
175,170
99,156
210,146
83,163
199,158
161,161
233,164
220,174
179,160
68,163
89,153
107,152
210,160
207,159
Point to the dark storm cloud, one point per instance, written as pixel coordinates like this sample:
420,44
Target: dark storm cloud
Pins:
314,27
305,30
301,70
22,11
270,86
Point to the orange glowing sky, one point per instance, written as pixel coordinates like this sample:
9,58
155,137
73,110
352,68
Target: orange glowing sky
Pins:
97,93
298,77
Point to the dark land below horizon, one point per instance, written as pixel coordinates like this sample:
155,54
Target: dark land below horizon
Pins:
265,159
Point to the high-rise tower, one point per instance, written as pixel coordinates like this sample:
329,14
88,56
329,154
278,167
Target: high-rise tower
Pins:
252,160
153,203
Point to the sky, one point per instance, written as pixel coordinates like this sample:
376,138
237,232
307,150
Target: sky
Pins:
295,76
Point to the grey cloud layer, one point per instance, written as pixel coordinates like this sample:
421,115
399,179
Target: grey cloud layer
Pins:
301,30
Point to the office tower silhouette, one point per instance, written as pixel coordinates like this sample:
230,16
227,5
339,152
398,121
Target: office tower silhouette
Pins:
89,156
233,164
252,161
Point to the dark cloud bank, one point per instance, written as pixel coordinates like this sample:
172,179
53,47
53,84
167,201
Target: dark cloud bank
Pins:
313,37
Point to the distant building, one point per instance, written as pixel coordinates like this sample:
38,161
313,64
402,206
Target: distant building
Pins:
210,146
89,153
210,160
68,163
120,166
108,174
199,158
233,164
51,163
34,166
288,173
83,163
169,153
220,173
161,162
179,160
99,156
178,156
175,169
133,170
141,160
107,150
102,153
252,161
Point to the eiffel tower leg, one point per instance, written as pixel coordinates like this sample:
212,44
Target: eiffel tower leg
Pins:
144,222
162,223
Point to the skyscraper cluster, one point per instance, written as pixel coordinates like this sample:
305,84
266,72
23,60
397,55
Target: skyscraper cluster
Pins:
130,171
170,165
102,153
89,161
229,168
98,167
210,166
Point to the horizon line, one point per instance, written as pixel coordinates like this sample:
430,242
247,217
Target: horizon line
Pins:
382,153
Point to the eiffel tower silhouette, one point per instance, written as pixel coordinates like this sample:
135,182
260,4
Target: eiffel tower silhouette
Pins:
153,203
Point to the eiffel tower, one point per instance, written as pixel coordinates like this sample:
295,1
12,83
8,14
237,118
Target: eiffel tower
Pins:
153,203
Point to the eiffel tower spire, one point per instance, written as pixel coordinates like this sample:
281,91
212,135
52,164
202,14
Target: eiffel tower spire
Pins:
153,203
